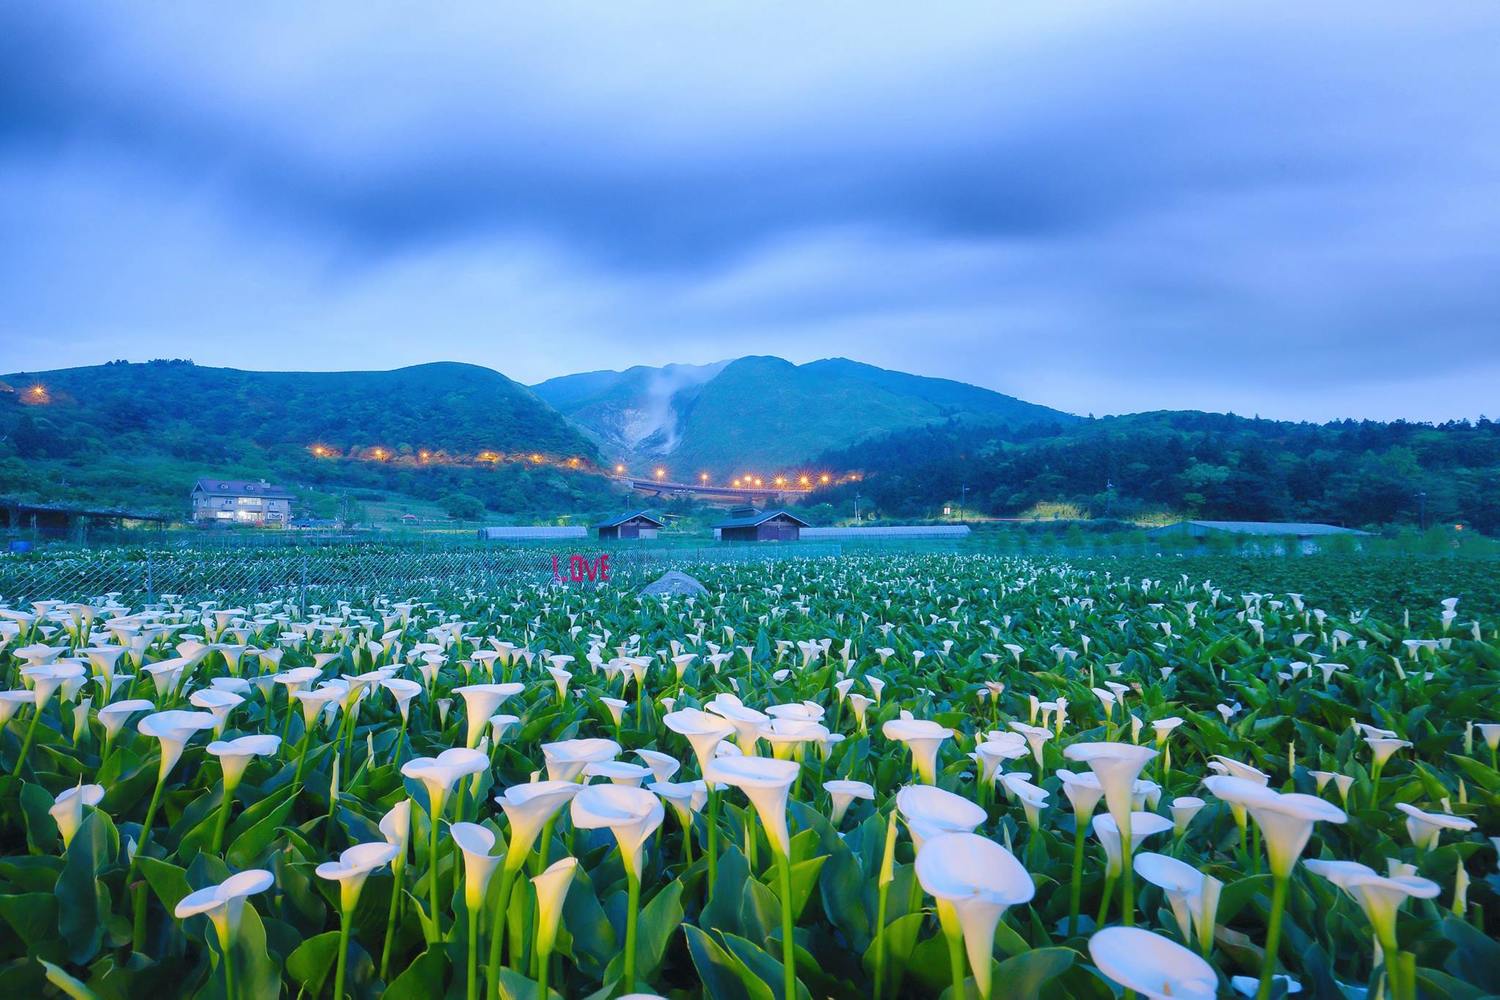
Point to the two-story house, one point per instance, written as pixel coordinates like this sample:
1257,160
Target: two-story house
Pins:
240,501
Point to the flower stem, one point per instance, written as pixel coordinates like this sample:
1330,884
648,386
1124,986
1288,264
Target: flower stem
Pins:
1075,888
472,957
632,910
223,821
138,928
956,964
713,839
390,920
25,749
338,974
788,945
1104,897
1273,935
227,947
544,846
497,931
432,867
1127,881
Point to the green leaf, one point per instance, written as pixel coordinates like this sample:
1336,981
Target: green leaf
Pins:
82,912
1023,976
720,971
41,829
1476,956
655,927
72,987
169,882
33,916
758,966
247,846
310,965
421,980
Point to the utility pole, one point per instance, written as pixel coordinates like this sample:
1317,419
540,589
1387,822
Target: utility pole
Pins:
1422,510
963,499
857,519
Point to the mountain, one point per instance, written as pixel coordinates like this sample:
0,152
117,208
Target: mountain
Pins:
1188,463
766,414
138,435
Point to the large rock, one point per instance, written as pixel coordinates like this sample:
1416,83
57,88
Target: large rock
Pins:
673,582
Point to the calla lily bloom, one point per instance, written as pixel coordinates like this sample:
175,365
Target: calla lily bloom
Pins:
551,891
843,792
930,811
173,729
67,809
766,782
350,871
1192,895
973,880
482,701
476,842
567,759
1151,965
224,905
1379,896
923,739
703,730
1425,828
632,815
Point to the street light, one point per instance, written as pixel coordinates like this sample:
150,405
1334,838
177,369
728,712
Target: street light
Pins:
857,519
963,497
661,473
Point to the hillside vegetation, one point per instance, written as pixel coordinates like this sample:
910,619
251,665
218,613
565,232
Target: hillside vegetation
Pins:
136,436
1356,473
763,414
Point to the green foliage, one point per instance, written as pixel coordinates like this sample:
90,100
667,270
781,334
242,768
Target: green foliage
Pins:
136,436
1217,466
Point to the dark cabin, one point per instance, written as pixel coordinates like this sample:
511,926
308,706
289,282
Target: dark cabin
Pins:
746,524
638,524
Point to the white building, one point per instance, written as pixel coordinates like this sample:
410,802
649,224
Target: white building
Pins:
241,501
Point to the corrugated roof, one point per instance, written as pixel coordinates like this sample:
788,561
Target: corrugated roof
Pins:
242,488
761,517
1298,528
615,522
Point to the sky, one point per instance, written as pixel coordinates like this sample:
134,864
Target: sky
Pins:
1287,209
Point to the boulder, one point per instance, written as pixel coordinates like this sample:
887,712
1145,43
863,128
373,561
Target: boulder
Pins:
673,582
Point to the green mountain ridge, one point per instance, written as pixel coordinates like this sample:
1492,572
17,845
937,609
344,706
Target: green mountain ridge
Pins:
763,414
136,436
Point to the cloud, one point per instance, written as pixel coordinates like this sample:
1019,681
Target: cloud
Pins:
1101,207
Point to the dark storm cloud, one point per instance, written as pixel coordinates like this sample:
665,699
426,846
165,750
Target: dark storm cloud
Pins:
1104,208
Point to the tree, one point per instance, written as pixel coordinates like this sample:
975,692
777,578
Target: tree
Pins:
463,506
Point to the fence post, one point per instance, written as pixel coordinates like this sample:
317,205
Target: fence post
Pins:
302,586
150,582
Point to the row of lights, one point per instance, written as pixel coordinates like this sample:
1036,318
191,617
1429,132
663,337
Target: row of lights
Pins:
425,457
746,481
752,480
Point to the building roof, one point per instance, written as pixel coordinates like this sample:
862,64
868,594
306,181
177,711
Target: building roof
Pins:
615,522
76,510
242,488
508,531
758,518
1301,529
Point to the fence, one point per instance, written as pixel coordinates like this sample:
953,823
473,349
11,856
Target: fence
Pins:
323,574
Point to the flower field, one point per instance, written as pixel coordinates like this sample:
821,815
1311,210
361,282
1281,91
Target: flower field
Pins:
899,776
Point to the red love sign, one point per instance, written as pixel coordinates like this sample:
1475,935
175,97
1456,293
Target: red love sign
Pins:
580,569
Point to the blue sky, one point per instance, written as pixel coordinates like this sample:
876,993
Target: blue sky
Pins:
1286,209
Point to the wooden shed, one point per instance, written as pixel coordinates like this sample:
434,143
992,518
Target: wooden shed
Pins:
746,524
636,524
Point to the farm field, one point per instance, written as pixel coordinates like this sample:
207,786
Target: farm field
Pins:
900,774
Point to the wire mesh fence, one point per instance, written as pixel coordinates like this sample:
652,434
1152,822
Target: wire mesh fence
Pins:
349,570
